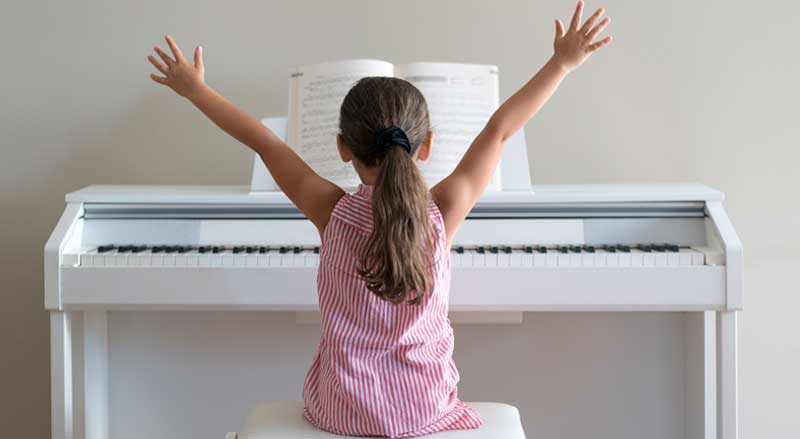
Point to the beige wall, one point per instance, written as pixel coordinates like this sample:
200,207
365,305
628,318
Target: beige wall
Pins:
688,91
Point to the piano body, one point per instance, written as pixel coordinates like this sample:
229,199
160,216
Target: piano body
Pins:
655,247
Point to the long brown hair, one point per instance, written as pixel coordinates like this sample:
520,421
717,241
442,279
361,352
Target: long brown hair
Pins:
396,258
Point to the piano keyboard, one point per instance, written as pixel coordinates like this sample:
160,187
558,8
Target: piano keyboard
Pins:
552,256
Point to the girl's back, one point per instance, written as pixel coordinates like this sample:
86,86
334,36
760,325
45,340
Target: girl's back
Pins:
381,368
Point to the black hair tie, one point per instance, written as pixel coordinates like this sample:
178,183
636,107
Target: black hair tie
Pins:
393,135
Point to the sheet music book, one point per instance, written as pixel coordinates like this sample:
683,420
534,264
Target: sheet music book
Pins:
461,98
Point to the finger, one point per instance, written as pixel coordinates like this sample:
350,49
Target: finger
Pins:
198,57
597,29
158,79
167,60
174,48
599,44
576,18
161,68
559,29
590,21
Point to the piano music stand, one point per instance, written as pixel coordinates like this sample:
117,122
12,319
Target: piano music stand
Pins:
514,167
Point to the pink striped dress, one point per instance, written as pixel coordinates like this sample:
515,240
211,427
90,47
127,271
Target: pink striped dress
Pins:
381,369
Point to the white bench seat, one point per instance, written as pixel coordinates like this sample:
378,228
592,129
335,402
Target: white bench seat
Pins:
284,419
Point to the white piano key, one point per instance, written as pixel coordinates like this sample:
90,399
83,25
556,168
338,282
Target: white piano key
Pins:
660,259
612,259
180,260
698,258
227,259
121,259
468,259
625,259
600,258
552,258
587,259
215,259
240,259
685,256
478,260
156,259
110,258
87,259
673,259
252,260
203,260
491,260
504,260
537,259
575,259
263,259
563,260
637,258
192,258
648,259
287,259
516,258
274,259
168,260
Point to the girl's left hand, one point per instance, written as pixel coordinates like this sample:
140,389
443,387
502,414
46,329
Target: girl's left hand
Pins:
576,44
180,75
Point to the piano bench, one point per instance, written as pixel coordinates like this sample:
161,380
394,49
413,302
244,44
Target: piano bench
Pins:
284,419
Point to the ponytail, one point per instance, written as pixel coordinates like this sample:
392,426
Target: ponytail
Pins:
384,121
397,256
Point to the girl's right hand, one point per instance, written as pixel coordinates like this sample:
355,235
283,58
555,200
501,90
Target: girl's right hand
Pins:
180,75
574,46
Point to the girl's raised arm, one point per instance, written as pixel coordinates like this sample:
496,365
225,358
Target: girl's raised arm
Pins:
312,194
457,193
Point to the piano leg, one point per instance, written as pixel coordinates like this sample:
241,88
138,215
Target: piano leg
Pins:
62,421
727,380
95,366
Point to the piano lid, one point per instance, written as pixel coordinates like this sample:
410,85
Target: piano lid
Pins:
570,193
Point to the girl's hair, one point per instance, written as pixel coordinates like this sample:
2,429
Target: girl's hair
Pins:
396,258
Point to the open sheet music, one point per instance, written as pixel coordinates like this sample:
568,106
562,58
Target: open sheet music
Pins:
460,98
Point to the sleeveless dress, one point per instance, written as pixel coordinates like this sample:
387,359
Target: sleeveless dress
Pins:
381,369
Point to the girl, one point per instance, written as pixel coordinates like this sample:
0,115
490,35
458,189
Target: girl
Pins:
384,363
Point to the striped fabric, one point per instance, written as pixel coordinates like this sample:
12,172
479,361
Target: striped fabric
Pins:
381,369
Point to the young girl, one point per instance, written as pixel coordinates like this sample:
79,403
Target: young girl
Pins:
384,364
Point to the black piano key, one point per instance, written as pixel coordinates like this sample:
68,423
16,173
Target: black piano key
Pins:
204,249
251,249
283,249
575,248
106,248
460,250
624,248
541,249
316,250
217,249
238,248
493,249
610,248
263,249
158,248
672,248
171,249
481,250
124,248
645,248
507,250
296,250
138,248
528,249
563,249
588,248
659,248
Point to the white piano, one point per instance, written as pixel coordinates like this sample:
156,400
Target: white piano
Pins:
650,247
